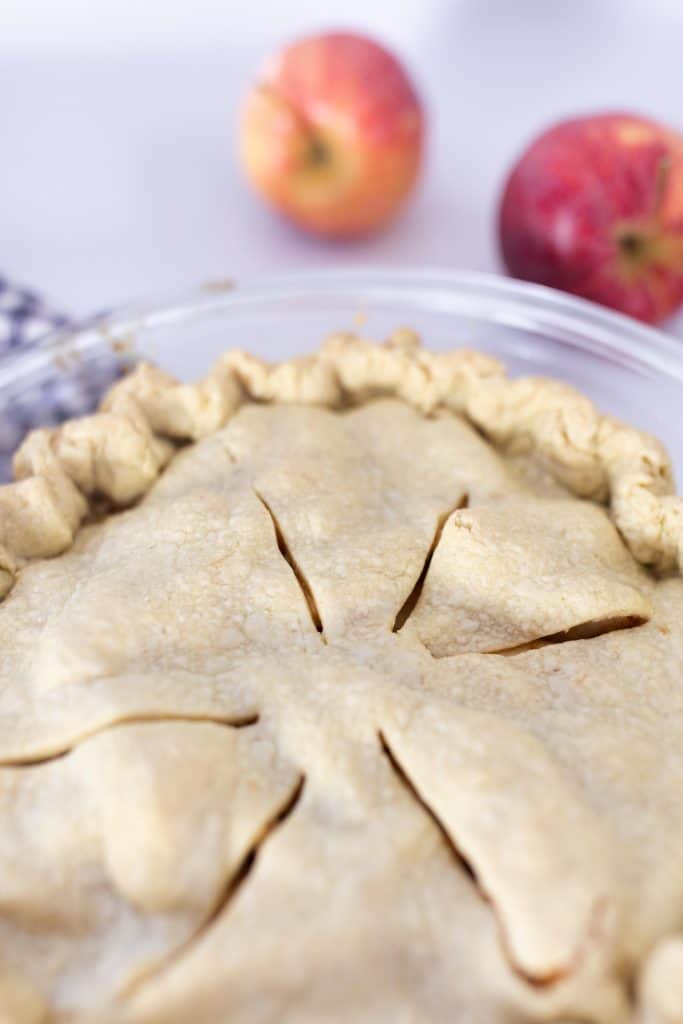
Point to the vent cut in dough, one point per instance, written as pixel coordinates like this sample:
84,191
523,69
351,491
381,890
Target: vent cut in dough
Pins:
525,569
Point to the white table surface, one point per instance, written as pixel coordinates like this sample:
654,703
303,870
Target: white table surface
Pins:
118,174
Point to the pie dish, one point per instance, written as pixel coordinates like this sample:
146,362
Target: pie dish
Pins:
346,688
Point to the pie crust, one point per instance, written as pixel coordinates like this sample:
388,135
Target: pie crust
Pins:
356,693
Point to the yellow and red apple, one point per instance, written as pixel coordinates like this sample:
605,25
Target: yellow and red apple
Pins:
332,134
595,207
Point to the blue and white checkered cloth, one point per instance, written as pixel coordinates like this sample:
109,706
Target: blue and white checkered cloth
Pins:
26,320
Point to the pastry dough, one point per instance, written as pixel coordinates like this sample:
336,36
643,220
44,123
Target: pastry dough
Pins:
342,711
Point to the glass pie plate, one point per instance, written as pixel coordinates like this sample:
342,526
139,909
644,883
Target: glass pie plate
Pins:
629,370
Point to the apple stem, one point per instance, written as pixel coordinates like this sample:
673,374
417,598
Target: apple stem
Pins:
631,245
641,243
661,181
318,152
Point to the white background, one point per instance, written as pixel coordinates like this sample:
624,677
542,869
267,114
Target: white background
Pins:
118,175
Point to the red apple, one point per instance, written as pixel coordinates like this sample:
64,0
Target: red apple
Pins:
332,134
595,207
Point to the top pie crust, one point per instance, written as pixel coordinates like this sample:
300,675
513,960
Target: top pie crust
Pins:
348,712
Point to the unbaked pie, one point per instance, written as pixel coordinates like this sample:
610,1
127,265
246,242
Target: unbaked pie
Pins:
355,694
